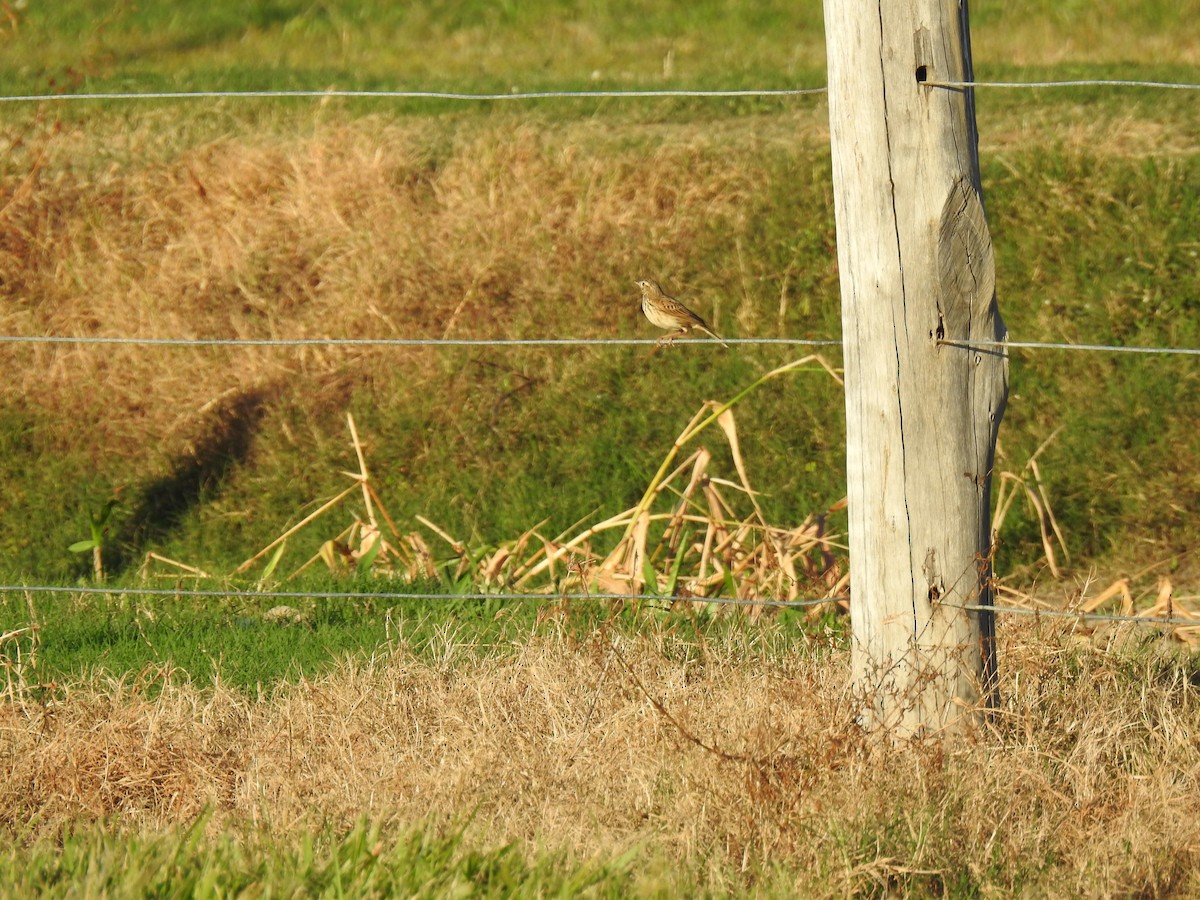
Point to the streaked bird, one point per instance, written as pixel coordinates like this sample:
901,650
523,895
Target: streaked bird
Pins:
664,311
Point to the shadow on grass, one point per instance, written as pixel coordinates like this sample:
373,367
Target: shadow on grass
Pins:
194,476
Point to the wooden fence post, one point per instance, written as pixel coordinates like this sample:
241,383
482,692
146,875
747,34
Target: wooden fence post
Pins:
916,268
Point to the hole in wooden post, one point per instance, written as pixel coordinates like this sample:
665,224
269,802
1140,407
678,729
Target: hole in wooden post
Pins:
922,74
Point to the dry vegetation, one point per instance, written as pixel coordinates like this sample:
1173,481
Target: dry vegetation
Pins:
376,228
724,757
363,229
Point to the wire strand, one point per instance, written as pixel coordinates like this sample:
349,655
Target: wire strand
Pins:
1079,615
1176,621
1084,82
550,342
389,595
390,342
1046,345
551,95
407,95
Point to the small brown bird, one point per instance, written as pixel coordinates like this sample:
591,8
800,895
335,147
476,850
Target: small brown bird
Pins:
664,311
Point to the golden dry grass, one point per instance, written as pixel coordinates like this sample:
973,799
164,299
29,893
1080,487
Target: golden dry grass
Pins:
377,228
365,228
362,229
724,756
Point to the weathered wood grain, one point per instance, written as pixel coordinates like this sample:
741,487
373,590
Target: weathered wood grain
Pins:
916,267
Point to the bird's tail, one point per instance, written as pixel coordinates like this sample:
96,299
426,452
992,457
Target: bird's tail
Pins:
712,333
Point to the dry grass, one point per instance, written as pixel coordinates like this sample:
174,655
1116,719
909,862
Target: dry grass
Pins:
363,229
1138,134
1085,783
693,533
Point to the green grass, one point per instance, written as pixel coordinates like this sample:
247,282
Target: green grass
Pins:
1103,252
378,45
287,44
440,860
235,641
249,643
367,861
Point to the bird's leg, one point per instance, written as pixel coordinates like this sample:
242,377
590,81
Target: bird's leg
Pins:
668,339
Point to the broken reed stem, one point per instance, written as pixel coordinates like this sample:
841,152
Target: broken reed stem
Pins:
325,507
362,468
699,422
729,547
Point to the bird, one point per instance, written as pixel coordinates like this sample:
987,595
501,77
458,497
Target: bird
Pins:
665,311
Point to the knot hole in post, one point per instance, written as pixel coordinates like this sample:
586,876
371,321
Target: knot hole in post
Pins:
922,53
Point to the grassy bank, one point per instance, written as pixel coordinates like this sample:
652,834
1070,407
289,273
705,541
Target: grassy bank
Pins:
370,228
349,219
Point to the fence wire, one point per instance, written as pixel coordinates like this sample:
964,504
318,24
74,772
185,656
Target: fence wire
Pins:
1183,620
412,95
557,95
1050,345
1079,615
1082,82
553,342
392,342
